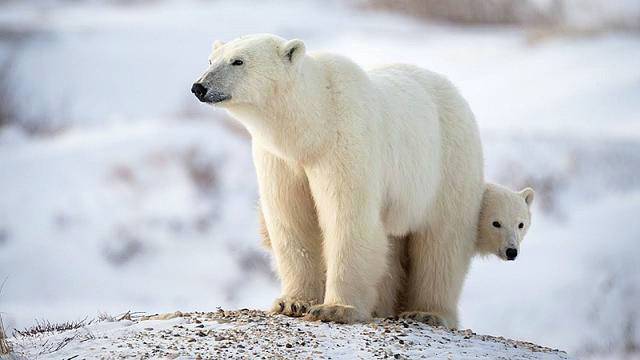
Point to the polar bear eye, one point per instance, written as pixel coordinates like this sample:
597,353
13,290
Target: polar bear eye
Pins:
496,224
520,226
209,62
237,63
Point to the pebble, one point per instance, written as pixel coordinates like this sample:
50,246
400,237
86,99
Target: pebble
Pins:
256,334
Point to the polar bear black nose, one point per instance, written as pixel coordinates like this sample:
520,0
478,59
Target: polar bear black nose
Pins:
199,91
511,253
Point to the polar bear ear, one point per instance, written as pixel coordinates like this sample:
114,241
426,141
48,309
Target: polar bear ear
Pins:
292,50
217,45
527,194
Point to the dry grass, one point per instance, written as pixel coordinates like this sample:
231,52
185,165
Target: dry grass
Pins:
32,337
44,326
541,34
471,12
543,22
202,170
7,110
5,347
125,247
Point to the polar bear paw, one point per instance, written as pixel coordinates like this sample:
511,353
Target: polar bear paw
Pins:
341,314
291,307
428,318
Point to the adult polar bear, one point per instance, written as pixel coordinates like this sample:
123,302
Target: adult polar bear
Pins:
346,158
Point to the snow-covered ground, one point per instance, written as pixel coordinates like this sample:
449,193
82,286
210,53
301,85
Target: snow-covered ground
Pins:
251,334
146,202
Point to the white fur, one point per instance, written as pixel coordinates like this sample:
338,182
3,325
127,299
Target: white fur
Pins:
508,209
346,158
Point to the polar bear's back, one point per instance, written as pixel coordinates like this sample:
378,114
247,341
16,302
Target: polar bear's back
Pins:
420,133
430,122
425,101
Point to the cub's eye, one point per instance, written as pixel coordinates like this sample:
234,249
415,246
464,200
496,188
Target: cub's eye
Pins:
209,62
496,224
237,62
520,226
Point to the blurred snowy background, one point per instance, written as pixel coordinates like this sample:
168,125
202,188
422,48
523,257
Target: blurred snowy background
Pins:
120,191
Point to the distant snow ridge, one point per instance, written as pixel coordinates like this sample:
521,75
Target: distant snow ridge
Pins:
256,334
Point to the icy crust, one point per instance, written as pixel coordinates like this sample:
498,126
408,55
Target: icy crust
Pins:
256,334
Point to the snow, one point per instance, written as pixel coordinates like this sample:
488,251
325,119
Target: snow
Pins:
121,200
253,334
146,201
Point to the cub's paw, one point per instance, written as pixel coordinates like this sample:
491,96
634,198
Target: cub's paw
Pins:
341,314
291,307
425,317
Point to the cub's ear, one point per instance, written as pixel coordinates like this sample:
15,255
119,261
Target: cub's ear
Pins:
217,45
292,50
527,194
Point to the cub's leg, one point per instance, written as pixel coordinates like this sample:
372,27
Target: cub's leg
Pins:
438,263
393,283
292,226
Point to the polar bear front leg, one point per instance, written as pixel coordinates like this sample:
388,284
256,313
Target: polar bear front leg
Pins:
294,233
355,246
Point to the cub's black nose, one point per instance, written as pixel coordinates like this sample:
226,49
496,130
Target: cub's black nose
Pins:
199,91
511,253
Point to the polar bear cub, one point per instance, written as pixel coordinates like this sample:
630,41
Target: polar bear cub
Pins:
504,220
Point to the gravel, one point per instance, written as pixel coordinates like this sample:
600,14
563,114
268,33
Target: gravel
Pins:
254,334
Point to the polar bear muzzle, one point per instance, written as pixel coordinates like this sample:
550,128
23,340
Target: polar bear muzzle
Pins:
205,95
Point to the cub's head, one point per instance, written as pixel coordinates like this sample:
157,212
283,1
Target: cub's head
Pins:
249,70
504,220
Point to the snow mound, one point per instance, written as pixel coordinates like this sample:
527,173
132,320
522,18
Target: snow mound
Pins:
254,334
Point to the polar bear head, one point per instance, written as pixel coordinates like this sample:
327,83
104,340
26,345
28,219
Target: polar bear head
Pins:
505,218
249,70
